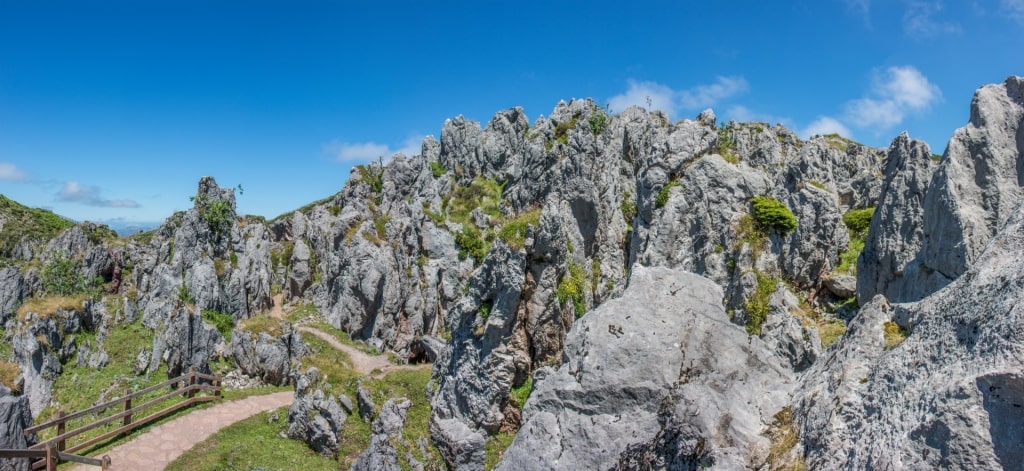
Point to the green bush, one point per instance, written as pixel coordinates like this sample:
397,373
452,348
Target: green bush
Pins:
598,121
222,321
62,277
858,221
520,394
770,213
437,169
471,243
562,129
375,180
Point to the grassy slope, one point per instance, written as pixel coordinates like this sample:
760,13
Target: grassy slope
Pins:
21,221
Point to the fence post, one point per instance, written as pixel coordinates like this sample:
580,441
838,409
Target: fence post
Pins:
61,428
51,457
191,381
127,406
105,463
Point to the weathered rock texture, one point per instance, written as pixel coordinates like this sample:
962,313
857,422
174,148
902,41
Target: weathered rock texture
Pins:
315,416
15,417
661,360
271,358
382,455
926,236
950,396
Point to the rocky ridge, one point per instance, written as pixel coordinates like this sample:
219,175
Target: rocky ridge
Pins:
499,250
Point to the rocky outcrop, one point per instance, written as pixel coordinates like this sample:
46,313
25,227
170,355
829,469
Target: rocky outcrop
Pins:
661,368
15,417
185,343
925,237
267,357
949,396
315,416
12,292
382,455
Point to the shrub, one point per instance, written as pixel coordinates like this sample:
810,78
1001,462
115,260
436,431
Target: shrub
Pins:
848,259
62,277
628,208
218,214
471,243
751,233
858,221
562,129
375,180
437,169
598,121
222,321
725,144
770,213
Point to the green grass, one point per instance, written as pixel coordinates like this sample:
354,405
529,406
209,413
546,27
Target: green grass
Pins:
752,234
598,120
513,232
495,449
756,305
222,321
858,220
848,259
894,335
831,331
725,145
436,169
253,444
784,437
410,384
22,221
662,198
305,311
519,395
261,324
571,288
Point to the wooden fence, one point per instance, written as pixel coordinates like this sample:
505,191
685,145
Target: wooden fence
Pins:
56,449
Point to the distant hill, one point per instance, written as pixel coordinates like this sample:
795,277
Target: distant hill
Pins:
18,221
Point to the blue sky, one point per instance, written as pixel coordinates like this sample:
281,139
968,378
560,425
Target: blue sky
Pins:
111,111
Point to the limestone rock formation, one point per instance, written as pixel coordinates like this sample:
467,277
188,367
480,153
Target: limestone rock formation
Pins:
949,396
315,416
662,360
933,222
381,455
268,357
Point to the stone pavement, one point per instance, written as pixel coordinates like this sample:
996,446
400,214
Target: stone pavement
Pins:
157,447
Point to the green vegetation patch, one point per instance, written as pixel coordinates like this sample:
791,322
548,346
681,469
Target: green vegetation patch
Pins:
662,198
22,221
261,324
598,120
519,395
374,179
831,331
894,334
756,306
726,144
858,221
9,373
513,232
217,213
784,437
572,287
222,321
771,213
436,169
63,277
562,129
48,306
255,443
848,259
495,449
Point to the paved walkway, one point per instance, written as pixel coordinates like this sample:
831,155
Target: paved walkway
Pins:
158,446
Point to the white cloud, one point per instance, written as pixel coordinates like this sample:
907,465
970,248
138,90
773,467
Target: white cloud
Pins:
705,96
10,172
825,125
1014,9
919,20
742,113
656,96
74,192
894,93
367,151
644,94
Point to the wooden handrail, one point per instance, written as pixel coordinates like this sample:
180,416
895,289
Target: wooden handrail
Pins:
116,401
55,449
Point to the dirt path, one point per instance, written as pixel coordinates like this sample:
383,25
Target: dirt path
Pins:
157,447
364,364
277,312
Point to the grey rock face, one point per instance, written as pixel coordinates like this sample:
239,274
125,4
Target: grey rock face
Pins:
943,398
272,359
381,455
897,228
15,417
187,342
843,286
973,192
12,292
660,367
367,408
315,417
